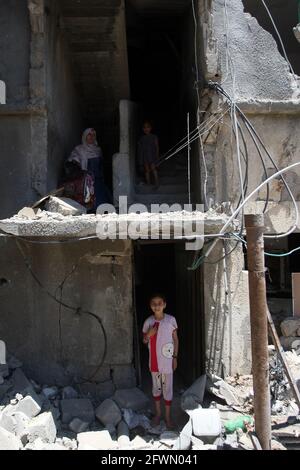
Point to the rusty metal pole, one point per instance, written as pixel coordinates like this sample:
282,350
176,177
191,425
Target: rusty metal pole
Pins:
259,328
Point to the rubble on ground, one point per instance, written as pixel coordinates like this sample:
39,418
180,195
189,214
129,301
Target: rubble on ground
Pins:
46,417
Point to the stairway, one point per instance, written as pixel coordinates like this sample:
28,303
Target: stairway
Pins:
173,187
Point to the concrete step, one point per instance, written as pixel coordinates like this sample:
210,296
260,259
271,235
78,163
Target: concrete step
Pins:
162,189
148,199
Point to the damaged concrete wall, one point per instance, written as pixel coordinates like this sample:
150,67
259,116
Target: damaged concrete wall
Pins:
65,125
248,56
227,318
57,344
14,49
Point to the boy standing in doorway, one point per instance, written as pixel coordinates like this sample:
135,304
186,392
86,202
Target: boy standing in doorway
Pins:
160,333
148,153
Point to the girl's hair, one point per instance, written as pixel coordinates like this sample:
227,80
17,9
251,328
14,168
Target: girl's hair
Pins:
159,295
147,121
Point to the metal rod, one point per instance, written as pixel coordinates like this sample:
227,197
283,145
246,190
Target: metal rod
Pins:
259,328
189,157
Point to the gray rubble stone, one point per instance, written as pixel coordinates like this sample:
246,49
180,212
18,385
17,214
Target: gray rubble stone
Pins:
9,441
42,427
50,392
4,370
168,438
22,385
112,430
99,440
287,342
206,423
123,435
14,363
109,413
132,398
81,408
78,426
28,406
98,392
68,393
290,326
4,389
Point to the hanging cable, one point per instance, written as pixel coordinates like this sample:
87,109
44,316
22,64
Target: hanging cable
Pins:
279,37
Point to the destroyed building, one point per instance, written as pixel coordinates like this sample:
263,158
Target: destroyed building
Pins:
69,64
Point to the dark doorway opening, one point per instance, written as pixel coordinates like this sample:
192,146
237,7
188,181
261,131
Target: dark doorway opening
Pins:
163,267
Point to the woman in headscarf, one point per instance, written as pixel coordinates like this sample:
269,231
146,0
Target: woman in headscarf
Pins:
89,157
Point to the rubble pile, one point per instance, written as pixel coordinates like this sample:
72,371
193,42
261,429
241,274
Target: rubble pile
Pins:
290,339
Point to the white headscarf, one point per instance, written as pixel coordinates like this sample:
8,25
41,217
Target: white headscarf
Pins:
82,153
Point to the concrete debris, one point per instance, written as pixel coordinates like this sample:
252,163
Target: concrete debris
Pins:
185,438
81,408
42,427
39,444
168,439
193,396
9,441
133,419
133,399
22,385
28,406
290,326
50,392
69,392
112,430
65,206
108,413
99,440
275,445
123,435
138,443
78,426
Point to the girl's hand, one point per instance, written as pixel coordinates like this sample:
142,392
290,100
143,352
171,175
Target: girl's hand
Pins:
174,363
152,332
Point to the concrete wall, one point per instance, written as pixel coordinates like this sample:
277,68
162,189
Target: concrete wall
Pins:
64,117
14,49
227,317
56,344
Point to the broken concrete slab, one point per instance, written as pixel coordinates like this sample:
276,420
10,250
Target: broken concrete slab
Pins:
109,413
132,398
78,426
9,441
81,408
206,423
290,342
39,444
65,206
197,444
123,435
138,443
22,385
168,438
184,440
98,440
28,406
42,427
290,326
21,424
7,422
194,395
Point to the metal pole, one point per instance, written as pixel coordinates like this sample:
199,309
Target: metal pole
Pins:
259,328
189,157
